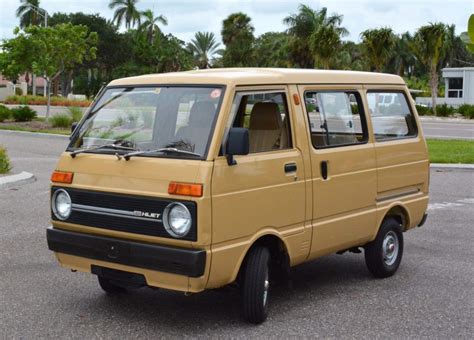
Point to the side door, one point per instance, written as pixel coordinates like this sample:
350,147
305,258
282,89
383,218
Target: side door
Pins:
265,191
343,167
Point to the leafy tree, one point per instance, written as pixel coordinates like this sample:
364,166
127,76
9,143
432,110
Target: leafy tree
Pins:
126,11
468,37
203,47
54,49
402,61
271,50
455,52
379,44
350,57
325,42
428,48
150,24
238,38
27,14
302,26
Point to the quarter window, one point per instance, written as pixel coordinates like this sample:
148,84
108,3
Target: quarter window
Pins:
391,116
336,118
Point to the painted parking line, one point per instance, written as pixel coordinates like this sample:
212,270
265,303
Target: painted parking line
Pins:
447,205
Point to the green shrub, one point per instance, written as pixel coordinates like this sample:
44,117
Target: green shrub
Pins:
466,110
444,110
5,113
18,91
4,161
61,120
75,112
424,110
23,114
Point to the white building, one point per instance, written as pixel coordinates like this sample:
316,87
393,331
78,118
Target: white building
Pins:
459,87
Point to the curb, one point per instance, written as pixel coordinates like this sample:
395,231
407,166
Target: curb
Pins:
452,166
446,120
18,179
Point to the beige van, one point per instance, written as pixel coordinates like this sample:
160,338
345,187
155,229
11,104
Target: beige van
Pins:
195,180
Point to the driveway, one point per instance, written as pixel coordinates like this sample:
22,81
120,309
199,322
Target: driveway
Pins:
431,296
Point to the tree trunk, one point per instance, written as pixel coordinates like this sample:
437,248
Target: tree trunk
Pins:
33,85
434,87
48,91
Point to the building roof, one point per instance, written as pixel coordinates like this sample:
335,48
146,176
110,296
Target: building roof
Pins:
267,76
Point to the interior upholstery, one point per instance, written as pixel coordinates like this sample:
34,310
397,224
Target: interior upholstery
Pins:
199,124
264,127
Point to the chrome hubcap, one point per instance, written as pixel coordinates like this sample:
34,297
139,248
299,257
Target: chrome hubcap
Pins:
266,287
390,248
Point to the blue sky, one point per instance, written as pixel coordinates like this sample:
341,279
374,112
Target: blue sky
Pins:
186,17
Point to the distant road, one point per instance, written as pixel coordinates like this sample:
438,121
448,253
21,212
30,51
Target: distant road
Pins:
448,129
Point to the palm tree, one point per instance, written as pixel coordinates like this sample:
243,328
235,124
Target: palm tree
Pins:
428,48
325,42
379,44
237,36
150,24
203,47
125,10
28,14
303,25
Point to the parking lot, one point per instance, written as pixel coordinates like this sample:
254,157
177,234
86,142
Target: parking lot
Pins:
431,295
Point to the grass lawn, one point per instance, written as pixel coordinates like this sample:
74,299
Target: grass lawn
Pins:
38,125
451,151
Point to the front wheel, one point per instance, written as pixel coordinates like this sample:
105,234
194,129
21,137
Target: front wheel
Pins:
256,285
384,254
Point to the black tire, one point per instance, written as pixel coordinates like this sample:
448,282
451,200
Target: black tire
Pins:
256,285
380,259
109,287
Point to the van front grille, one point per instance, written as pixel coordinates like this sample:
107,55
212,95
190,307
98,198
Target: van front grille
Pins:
120,212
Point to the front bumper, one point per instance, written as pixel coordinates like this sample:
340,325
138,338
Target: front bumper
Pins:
188,262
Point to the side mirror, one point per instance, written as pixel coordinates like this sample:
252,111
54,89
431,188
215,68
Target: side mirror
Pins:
237,144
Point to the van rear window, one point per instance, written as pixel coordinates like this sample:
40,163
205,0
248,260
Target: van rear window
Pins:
391,116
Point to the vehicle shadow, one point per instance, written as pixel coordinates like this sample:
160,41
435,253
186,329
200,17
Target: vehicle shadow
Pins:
312,284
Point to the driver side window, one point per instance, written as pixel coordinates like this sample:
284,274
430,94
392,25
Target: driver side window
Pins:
265,115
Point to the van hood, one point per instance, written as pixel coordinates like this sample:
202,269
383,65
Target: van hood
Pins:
148,176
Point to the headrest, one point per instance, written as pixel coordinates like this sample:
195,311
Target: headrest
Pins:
265,116
201,114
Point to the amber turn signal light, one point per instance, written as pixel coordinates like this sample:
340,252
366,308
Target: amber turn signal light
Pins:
296,99
185,189
62,177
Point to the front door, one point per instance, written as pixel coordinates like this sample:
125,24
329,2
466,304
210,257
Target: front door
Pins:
264,193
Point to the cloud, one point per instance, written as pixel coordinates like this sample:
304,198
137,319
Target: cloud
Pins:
186,17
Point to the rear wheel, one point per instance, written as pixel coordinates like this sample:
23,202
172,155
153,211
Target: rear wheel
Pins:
109,287
384,254
256,285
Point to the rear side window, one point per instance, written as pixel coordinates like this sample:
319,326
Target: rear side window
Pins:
336,118
391,116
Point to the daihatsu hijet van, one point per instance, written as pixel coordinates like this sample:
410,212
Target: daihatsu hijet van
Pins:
195,180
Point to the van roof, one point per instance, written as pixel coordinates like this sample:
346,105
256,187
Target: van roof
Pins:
263,76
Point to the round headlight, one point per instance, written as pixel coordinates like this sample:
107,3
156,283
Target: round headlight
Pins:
177,219
61,204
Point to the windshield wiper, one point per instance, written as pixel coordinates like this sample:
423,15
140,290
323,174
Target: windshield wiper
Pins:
113,145
163,150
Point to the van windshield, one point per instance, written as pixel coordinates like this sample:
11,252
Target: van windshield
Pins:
151,118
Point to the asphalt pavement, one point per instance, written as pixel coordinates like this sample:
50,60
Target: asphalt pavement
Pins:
431,296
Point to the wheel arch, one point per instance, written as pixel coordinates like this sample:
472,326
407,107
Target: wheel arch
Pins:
398,212
279,253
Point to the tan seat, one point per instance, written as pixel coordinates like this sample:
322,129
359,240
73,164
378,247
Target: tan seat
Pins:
265,127
197,131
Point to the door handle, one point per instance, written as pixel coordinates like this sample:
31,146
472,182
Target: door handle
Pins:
324,169
290,167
